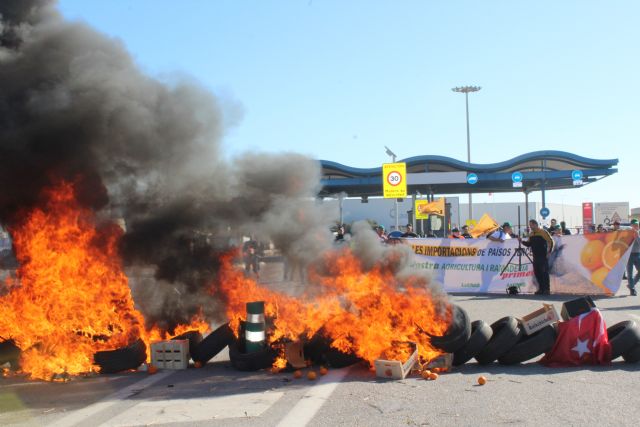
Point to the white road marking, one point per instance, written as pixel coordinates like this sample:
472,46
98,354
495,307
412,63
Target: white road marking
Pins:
195,409
313,399
85,413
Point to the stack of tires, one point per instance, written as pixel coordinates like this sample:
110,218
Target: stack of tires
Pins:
505,341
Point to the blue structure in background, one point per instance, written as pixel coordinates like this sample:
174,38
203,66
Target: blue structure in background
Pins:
541,171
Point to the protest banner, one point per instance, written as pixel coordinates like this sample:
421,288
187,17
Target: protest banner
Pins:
579,264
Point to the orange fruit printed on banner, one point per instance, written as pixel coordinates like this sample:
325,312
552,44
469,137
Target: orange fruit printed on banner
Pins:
612,253
591,255
599,275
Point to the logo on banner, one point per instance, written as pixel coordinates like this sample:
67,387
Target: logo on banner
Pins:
394,180
472,178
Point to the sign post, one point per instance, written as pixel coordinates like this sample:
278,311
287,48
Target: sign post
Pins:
394,182
516,178
576,176
545,212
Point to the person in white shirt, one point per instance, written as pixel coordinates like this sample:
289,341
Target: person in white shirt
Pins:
501,234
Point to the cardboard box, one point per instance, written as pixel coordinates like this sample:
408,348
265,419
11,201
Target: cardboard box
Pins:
294,353
442,362
533,322
395,369
576,307
172,354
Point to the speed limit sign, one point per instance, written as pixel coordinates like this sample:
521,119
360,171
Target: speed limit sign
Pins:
394,180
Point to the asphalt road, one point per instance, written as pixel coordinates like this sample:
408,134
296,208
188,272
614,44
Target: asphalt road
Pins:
218,395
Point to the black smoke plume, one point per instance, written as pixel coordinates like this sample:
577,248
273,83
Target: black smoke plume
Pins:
74,106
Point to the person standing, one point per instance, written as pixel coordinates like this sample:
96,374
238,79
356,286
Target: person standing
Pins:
541,245
250,252
501,234
380,232
465,232
565,230
634,260
455,234
409,232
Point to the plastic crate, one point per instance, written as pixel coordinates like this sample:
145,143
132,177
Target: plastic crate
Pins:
172,354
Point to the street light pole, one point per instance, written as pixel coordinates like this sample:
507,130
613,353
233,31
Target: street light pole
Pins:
393,158
466,90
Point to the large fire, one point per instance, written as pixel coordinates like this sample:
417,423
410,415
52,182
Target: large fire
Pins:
362,312
71,297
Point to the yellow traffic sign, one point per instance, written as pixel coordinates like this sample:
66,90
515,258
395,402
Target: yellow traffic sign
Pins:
394,180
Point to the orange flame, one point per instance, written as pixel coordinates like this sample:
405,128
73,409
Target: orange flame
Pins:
363,312
71,298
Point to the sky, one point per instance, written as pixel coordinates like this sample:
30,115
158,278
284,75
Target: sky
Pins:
340,80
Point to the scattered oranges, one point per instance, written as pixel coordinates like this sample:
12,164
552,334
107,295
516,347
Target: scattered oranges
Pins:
152,369
297,374
311,375
433,376
482,380
425,374
198,364
323,370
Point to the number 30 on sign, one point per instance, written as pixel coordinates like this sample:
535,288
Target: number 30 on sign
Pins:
394,180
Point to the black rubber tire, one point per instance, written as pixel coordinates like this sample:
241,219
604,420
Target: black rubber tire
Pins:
457,334
530,346
10,353
262,359
480,335
319,351
213,344
339,359
122,359
194,337
623,337
506,333
633,355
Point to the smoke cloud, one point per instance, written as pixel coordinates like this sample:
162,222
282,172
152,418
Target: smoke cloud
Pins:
74,106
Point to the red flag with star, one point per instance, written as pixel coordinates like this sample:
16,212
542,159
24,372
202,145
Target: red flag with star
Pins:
582,340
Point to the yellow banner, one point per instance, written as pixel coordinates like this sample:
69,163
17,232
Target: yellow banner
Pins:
484,225
394,180
424,208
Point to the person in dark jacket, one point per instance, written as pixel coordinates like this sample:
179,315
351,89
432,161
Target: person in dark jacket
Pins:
541,245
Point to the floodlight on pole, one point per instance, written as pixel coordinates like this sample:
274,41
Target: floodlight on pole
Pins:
466,90
391,154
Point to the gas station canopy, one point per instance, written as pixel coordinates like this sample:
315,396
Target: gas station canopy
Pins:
539,171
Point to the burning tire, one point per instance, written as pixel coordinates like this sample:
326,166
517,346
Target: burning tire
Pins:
530,346
213,344
262,359
121,359
506,333
457,334
480,335
10,353
318,349
623,336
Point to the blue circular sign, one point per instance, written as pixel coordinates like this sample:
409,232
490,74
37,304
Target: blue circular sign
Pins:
472,178
576,175
516,177
544,212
